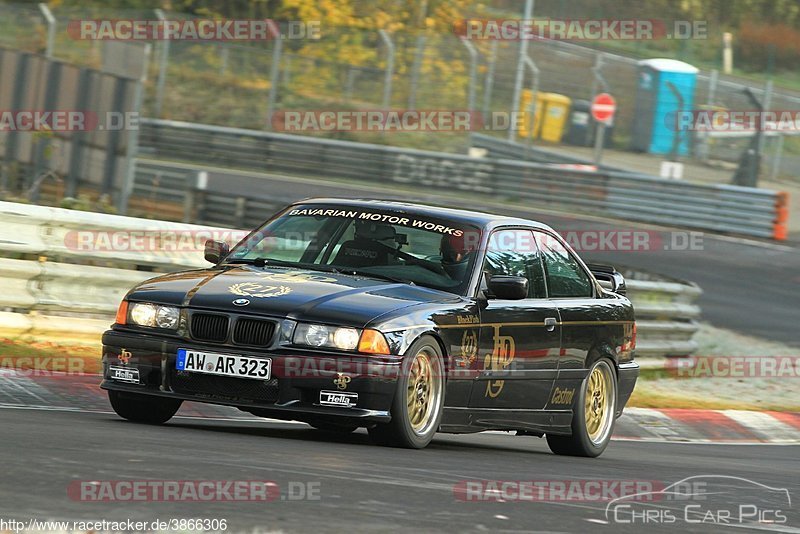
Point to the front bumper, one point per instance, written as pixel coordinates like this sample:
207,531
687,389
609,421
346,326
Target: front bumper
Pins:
292,392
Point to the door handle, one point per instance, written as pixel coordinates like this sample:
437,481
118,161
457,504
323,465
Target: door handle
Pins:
550,323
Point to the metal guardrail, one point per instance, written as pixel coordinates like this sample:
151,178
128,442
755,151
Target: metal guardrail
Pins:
666,314
503,149
721,208
73,236
74,284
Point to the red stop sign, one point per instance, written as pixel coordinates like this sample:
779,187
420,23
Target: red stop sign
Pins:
603,107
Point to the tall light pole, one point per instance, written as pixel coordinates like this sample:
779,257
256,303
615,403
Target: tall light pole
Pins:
523,53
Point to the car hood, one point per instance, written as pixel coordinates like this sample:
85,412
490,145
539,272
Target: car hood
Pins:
299,294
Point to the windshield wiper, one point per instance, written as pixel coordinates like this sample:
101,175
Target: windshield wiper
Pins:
271,262
358,272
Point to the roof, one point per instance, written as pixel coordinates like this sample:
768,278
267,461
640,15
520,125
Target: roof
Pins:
669,65
478,218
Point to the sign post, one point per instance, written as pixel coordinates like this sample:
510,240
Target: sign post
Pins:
603,108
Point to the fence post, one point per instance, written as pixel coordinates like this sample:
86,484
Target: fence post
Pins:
534,89
598,84
51,29
489,81
473,72
274,70
775,168
387,83
224,53
521,60
704,148
767,103
419,55
132,145
163,59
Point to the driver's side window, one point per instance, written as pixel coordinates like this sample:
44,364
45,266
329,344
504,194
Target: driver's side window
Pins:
513,252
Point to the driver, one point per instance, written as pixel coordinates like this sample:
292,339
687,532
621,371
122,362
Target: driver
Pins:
456,255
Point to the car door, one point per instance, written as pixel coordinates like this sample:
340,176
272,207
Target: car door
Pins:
518,340
583,318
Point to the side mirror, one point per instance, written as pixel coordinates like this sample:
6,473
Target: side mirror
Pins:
508,287
613,282
215,251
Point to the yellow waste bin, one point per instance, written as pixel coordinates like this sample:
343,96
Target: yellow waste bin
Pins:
552,110
549,117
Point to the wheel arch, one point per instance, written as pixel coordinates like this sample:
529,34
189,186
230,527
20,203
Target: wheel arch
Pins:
602,349
433,333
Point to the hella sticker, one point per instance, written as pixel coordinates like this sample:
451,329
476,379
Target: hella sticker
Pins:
124,374
338,398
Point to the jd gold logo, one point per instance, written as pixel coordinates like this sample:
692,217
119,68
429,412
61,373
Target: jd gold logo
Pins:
562,396
500,358
469,348
275,289
341,381
124,356
262,291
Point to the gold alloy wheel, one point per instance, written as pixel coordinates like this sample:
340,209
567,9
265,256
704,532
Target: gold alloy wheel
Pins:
424,392
599,403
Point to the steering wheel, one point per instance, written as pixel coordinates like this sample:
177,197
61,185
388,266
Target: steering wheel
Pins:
409,258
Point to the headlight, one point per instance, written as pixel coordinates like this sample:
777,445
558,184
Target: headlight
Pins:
153,315
317,335
167,317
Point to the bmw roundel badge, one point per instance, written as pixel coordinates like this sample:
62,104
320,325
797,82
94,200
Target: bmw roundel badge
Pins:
241,302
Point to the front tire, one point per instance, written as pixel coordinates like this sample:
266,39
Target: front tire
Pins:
143,408
592,414
418,400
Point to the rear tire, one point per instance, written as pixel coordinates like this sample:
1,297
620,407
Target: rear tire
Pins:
143,408
418,400
598,398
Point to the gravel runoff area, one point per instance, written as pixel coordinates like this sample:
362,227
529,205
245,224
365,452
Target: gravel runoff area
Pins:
707,389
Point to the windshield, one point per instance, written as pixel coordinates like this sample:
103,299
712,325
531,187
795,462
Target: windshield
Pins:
383,244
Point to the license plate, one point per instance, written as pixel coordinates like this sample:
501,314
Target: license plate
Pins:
124,374
337,398
223,364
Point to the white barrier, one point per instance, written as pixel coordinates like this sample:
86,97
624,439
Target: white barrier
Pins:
82,235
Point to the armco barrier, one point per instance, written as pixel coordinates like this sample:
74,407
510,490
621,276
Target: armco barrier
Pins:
720,208
80,237
665,309
666,314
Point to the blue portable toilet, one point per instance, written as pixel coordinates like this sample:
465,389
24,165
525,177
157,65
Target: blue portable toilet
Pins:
657,104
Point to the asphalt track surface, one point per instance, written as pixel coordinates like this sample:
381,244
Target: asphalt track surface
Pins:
360,487
749,286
